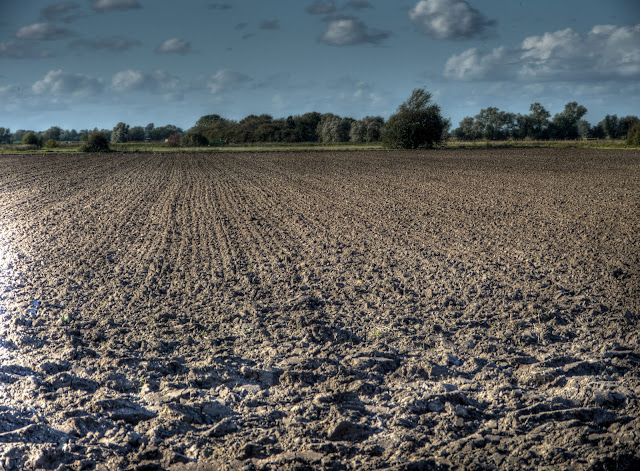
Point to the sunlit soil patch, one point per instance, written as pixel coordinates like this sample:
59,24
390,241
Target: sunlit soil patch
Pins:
468,309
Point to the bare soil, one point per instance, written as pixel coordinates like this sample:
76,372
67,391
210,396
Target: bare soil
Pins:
473,309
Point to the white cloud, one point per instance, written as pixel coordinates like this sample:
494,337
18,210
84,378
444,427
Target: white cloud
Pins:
158,81
604,53
351,31
175,46
226,80
109,5
607,51
42,31
473,64
58,83
449,19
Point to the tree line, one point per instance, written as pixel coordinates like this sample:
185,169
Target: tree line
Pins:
416,123
133,134
493,124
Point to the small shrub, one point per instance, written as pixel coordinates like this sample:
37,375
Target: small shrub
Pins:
96,143
51,143
32,139
174,140
194,139
633,136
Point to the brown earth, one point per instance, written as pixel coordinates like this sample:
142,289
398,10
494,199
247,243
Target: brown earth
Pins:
441,310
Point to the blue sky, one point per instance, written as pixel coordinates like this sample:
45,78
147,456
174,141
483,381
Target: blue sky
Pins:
92,63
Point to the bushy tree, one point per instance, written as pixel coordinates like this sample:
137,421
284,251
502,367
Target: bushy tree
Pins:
493,124
584,128
53,132
96,142
539,120
174,140
565,124
633,135
194,139
306,126
206,120
136,134
163,132
32,139
120,133
333,128
51,143
625,124
147,130
467,130
417,123
368,129
5,136
357,131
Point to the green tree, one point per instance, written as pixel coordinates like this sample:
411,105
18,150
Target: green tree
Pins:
565,124
120,133
96,142
136,134
610,125
538,121
194,139
584,128
5,136
357,131
306,126
467,130
207,120
147,130
32,139
333,128
624,124
416,123
633,136
53,132
51,143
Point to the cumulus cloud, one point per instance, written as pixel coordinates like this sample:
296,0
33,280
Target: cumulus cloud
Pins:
473,64
110,5
42,32
605,52
158,81
348,31
113,44
22,50
449,19
174,46
227,80
58,83
63,11
321,7
270,24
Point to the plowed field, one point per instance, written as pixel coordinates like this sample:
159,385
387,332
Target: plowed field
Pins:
470,309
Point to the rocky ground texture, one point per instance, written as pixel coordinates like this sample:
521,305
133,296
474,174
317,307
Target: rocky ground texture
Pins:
473,309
